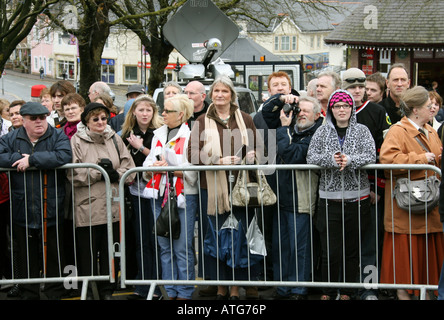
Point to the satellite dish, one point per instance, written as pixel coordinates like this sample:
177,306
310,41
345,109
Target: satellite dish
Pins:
195,25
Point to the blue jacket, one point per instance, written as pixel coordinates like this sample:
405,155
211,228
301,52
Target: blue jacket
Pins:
52,150
292,148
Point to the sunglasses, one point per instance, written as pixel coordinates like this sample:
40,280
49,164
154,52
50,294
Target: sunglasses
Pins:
351,80
102,118
169,111
34,118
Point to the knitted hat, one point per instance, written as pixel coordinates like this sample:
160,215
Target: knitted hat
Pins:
93,106
340,96
353,77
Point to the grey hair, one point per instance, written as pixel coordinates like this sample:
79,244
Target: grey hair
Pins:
313,101
226,81
335,80
173,84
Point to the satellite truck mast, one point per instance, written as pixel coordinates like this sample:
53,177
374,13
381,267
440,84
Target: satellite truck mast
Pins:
201,32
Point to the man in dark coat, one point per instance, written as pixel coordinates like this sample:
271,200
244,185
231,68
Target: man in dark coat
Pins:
37,196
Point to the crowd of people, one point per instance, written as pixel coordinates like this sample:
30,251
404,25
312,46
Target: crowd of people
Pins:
327,226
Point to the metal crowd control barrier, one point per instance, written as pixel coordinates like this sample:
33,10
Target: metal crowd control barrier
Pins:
118,250
72,276
158,281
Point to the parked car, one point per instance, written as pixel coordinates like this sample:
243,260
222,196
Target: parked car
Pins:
246,99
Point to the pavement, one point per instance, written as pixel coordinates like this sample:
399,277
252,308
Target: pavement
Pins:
119,90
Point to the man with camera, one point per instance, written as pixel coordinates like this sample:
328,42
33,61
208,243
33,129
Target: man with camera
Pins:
297,198
281,94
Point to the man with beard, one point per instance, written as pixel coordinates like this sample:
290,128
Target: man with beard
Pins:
291,223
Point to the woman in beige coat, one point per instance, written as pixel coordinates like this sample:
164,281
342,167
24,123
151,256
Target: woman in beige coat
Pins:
413,243
95,142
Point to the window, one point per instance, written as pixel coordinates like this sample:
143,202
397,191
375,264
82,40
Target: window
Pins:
285,43
130,73
312,40
319,41
276,43
294,44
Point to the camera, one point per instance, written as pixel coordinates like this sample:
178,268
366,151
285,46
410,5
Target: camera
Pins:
288,107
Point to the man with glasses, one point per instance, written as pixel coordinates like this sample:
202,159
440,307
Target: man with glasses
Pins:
37,197
196,92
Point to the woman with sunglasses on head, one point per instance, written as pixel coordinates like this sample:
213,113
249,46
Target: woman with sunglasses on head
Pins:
168,148
341,146
137,133
95,142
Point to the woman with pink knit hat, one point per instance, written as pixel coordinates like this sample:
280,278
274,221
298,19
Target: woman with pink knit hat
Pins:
341,146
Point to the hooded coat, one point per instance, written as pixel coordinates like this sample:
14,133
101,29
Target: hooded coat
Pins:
358,145
89,188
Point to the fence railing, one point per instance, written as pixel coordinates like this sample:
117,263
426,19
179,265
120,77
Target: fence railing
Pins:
360,283
199,271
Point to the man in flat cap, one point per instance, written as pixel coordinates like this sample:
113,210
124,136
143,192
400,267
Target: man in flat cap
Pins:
37,196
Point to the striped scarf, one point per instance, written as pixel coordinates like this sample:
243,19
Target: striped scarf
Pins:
152,188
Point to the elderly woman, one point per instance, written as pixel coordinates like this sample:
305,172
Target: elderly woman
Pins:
96,142
222,136
137,133
72,106
168,148
416,239
170,89
341,146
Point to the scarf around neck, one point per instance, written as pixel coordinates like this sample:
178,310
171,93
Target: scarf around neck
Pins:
152,187
218,198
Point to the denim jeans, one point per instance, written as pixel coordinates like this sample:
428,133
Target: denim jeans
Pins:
177,258
291,233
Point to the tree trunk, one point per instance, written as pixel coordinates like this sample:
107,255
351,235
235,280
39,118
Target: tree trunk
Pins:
159,60
92,38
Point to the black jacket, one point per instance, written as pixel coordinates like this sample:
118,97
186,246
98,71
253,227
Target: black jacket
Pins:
52,150
391,109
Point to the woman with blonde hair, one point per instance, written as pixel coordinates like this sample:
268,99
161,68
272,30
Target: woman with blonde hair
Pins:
413,243
138,128
168,148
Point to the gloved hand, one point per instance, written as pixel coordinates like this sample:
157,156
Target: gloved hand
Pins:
112,174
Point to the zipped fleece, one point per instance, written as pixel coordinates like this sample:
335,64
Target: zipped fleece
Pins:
359,147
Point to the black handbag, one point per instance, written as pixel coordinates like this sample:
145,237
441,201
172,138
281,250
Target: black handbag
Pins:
168,222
